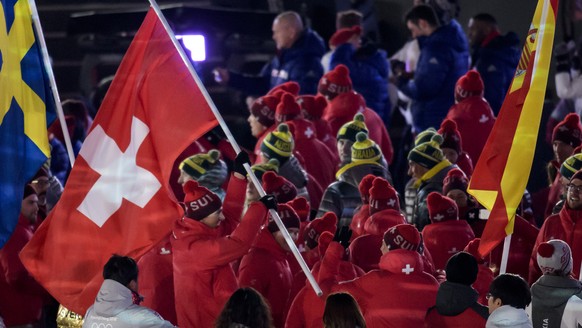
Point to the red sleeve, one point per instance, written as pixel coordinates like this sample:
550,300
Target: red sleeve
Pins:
9,260
295,316
232,207
330,262
221,251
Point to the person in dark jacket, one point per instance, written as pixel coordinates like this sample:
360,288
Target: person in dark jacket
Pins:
428,168
298,59
368,68
556,297
457,302
494,56
444,58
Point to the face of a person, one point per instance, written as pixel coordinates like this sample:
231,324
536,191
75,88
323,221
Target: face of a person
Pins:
184,177
256,127
251,193
459,197
562,151
573,195
476,32
278,235
344,148
416,171
451,154
29,208
214,219
416,30
493,303
282,34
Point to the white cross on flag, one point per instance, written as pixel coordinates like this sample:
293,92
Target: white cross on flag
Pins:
117,198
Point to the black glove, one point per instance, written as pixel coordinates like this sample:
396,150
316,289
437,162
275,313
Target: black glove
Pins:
343,236
398,67
239,161
270,201
562,54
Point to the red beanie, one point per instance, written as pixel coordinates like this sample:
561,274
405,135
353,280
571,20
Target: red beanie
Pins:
291,87
344,35
328,222
473,249
281,188
325,239
383,196
199,201
312,107
335,82
301,207
469,85
365,186
402,236
451,136
569,130
28,190
263,108
287,109
288,216
455,179
379,223
441,208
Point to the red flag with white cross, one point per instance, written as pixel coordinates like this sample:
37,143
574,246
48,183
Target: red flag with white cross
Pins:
117,198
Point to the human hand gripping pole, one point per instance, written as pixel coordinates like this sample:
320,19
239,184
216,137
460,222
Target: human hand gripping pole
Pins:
235,146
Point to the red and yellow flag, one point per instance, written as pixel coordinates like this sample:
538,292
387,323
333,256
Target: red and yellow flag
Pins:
501,174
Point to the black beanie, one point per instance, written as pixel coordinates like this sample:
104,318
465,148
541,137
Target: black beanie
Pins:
462,268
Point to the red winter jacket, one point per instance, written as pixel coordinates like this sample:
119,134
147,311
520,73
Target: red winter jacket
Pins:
323,131
203,277
380,292
361,214
306,310
465,163
265,268
21,297
156,280
475,120
446,238
554,194
484,279
319,161
567,226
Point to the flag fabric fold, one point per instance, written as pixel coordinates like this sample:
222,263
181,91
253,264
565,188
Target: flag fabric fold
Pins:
117,198
501,174
25,103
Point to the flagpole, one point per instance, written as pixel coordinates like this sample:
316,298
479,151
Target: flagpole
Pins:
236,147
51,76
505,255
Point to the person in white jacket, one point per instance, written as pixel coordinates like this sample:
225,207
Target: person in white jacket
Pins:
508,296
117,303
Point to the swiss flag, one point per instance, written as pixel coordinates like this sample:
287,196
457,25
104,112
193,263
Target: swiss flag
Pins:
117,198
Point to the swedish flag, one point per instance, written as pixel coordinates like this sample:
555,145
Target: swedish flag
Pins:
26,107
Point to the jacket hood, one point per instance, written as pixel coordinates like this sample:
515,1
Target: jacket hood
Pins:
112,299
185,227
553,292
449,36
353,173
508,316
401,261
308,44
294,172
453,298
381,221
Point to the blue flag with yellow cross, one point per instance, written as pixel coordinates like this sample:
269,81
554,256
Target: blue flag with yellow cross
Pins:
26,108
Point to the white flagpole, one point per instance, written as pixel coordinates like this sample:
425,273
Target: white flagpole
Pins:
51,76
505,255
236,147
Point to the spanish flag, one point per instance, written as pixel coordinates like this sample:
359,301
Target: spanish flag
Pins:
501,174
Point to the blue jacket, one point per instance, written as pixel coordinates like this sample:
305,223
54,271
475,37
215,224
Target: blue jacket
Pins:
496,62
300,63
444,58
369,73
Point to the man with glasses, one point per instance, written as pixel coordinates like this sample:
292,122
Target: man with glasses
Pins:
565,225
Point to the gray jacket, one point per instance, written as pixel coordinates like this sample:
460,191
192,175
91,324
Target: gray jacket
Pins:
556,302
114,308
